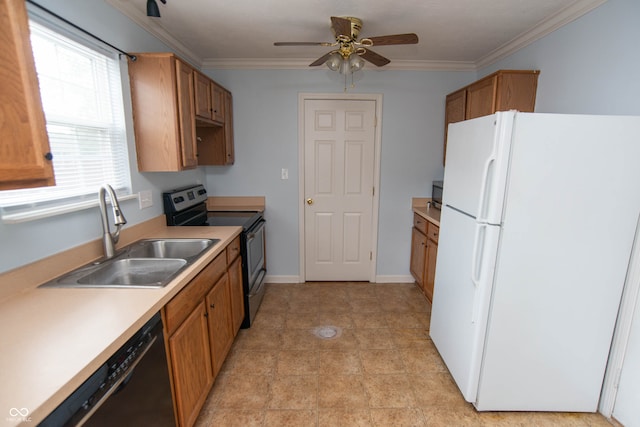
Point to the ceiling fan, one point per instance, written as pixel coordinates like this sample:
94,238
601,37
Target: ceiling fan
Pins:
346,30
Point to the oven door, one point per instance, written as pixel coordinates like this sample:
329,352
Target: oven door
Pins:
255,255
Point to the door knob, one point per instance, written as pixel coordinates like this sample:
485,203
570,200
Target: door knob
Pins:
309,201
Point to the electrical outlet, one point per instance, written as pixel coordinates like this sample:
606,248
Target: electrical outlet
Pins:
284,174
145,199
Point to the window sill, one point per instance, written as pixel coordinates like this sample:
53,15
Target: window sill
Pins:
35,214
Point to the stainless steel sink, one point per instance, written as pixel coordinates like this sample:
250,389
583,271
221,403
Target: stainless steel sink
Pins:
148,263
169,248
134,272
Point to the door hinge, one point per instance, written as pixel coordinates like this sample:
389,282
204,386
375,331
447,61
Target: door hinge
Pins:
370,256
373,191
375,121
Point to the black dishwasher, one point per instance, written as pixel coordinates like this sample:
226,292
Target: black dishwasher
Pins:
131,389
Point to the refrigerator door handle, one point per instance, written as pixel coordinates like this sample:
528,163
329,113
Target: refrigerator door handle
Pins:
485,188
478,241
476,267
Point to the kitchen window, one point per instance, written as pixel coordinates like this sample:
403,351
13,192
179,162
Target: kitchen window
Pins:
81,91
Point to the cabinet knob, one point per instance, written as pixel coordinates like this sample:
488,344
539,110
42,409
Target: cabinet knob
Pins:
48,156
212,305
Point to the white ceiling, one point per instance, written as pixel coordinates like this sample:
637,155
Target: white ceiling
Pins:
454,34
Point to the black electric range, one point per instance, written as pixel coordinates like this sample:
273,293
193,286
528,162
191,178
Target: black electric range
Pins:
187,207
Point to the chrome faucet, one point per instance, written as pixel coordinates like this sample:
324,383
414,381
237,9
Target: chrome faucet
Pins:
109,239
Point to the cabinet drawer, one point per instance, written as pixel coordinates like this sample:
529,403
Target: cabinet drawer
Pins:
433,231
420,223
233,250
183,304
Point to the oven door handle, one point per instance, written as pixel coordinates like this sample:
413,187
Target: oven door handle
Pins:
251,234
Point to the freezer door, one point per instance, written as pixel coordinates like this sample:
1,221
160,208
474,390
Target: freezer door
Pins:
477,164
464,275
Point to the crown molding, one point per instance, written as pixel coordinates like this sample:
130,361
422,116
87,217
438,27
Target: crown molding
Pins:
543,28
148,24
303,64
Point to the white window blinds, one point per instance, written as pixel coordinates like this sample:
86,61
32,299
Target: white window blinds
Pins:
81,91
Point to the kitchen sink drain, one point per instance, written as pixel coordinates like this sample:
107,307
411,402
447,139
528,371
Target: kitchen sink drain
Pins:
327,332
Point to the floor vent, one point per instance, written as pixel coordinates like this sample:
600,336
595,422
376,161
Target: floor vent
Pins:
327,332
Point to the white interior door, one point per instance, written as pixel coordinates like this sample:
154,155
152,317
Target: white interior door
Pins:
339,156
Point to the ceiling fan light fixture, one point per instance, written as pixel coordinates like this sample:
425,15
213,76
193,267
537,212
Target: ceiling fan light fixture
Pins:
334,62
355,63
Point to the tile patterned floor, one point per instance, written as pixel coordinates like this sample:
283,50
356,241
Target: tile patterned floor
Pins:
383,370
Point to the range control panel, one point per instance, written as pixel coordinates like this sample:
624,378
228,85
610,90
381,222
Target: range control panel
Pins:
183,198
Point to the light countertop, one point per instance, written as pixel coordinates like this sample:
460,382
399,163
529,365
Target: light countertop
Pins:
423,207
53,339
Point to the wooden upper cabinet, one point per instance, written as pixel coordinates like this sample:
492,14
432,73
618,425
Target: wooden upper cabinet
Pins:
162,96
186,115
218,102
501,91
25,156
228,129
481,98
202,96
215,142
455,107
209,99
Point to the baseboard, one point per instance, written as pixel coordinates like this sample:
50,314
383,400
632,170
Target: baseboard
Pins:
395,279
379,279
283,279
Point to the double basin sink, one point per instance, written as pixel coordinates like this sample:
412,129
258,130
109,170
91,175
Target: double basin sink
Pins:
147,263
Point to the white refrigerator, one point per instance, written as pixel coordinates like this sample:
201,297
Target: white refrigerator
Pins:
538,222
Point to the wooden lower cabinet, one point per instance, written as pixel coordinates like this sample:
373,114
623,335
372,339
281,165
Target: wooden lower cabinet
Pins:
430,269
220,333
200,326
424,250
418,256
191,369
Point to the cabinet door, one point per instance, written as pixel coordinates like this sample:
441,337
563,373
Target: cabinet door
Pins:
191,365
430,268
186,115
24,144
418,256
516,91
237,295
202,93
481,98
228,129
218,103
455,105
220,334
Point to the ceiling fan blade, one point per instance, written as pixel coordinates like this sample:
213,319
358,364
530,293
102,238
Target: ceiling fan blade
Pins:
302,44
409,38
322,59
341,26
374,58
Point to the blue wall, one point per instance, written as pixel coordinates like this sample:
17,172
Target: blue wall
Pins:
266,140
